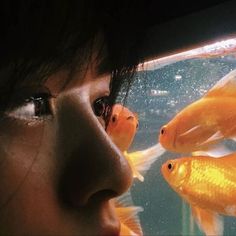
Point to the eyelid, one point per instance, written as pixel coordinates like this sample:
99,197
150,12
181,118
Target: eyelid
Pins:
33,104
24,94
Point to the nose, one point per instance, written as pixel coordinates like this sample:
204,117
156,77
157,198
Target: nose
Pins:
93,168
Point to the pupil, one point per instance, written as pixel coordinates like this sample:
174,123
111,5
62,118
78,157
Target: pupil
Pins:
99,107
113,119
169,166
41,105
162,131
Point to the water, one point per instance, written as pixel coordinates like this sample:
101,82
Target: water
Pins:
157,95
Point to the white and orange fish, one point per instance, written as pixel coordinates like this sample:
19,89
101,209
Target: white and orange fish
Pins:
122,128
202,125
208,184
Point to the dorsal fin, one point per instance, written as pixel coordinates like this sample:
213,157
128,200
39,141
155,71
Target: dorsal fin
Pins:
225,87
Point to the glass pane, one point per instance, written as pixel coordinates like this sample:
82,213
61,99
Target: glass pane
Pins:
162,88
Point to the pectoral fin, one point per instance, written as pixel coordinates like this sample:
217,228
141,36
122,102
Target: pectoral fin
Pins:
208,221
216,151
141,161
215,137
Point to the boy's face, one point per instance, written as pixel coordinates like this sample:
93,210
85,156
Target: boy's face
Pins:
58,167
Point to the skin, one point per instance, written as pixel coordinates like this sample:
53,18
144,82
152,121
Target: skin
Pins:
59,174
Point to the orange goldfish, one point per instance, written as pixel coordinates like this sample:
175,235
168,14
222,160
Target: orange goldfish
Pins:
128,216
208,184
122,128
204,123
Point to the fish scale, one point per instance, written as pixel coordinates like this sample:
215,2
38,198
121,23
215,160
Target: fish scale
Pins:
208,184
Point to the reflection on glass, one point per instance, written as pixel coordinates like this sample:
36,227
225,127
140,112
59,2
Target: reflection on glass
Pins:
164,87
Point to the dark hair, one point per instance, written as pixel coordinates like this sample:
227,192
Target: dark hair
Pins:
40,37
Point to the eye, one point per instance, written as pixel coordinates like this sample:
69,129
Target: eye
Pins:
35,107
163,130
114,118
102,107
170,166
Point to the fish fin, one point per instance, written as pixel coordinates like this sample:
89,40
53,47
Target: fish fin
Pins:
224,87
209,222
234,139
124,200
141,161
128,214
192,130
135,172
129,218
217,150
216,136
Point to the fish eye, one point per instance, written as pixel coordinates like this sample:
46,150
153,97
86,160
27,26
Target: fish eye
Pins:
163,130
170,166
113,119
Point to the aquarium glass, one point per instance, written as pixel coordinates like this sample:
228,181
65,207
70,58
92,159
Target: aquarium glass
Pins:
160,90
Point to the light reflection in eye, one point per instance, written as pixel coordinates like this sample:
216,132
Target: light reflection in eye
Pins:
101,107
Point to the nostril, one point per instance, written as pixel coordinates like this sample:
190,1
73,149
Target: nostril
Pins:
103,195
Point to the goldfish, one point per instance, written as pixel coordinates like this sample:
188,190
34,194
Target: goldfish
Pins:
203,124
122,128
128,215
208,184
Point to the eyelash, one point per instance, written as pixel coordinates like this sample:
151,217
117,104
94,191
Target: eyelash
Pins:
37,106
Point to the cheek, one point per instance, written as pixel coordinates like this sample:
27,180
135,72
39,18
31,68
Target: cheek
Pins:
26,180
19,148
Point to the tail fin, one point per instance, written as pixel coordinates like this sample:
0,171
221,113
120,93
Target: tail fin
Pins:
128,215
141,161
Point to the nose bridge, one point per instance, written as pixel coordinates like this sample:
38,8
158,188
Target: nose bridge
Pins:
93,165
